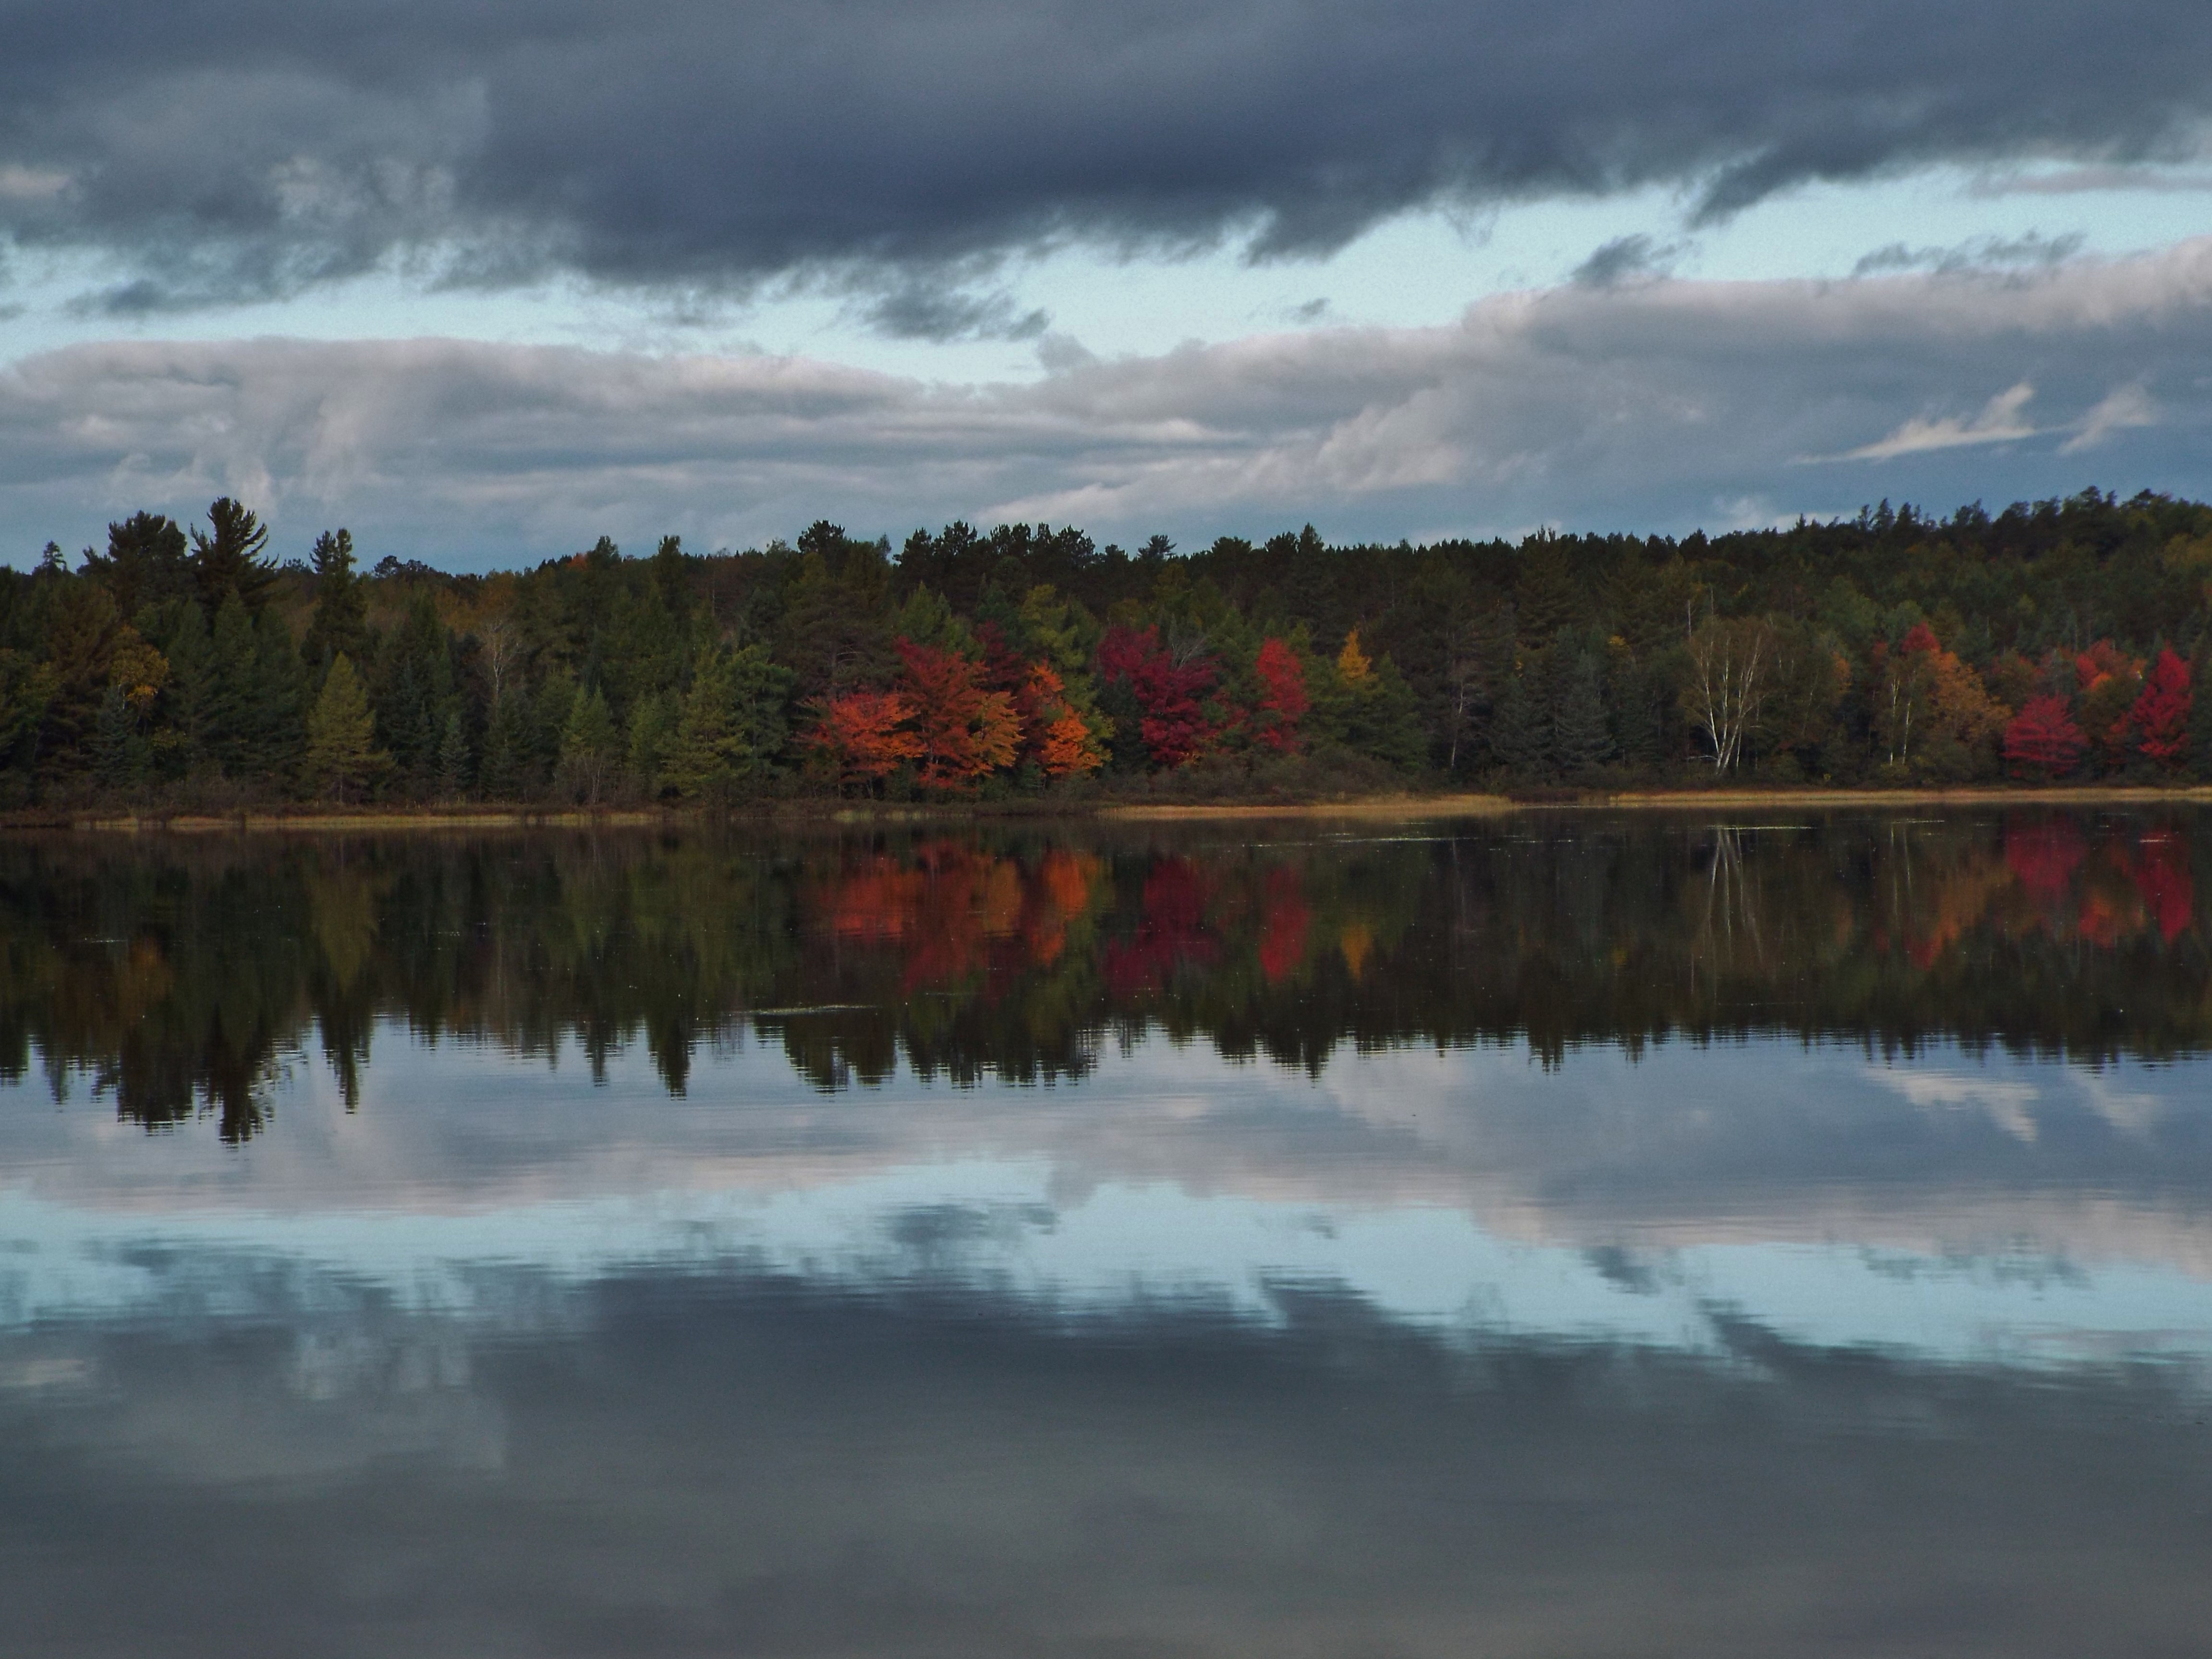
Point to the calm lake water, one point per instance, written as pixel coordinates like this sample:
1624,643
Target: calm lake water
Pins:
1569,1234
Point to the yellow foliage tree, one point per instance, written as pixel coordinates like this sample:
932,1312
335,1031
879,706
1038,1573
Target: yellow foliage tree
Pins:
1352,664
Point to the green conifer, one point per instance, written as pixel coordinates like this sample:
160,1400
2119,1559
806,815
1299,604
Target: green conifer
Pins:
453,756
731,726
589,746
342,753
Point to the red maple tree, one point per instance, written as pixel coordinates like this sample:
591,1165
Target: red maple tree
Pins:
1282,926
1283,700
2160,716
2043,736
1175,727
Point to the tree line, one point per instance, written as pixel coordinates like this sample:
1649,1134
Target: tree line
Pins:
188,666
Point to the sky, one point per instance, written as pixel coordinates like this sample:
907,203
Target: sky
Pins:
485,282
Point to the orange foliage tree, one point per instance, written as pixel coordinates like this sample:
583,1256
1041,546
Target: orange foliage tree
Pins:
1056,734
862,734
964,732
2109,681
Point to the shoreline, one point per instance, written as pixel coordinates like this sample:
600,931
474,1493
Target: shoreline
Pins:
1372,808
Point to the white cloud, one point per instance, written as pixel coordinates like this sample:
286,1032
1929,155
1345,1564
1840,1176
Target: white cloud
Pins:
2127,408
1998,422
1637,406
2007,1103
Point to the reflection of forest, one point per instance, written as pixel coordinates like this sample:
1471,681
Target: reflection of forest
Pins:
180,973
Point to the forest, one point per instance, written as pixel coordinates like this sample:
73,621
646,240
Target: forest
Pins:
194,667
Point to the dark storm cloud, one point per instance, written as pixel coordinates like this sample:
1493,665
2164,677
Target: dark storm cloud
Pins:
254,148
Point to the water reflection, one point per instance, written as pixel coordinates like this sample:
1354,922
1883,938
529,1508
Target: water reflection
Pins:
175,975
1589,1235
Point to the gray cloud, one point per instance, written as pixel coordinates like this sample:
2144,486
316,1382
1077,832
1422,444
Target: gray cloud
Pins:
255,148
1624,259
1642,405
1977,254
926,311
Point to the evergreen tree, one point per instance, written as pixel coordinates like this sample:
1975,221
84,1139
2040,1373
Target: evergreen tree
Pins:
2200,718
1580,740
117,751
1520,732
589,746
1546,594
453,756
1386,722
190,695
652,735
1638,704
342,753
226,558
341,617
732,724
145,563
510,769
277,734
233,714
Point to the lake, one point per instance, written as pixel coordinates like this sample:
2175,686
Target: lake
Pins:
1567,1233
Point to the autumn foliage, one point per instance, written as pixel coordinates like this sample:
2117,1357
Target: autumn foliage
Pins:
1175,728
1283,700
2159,717
2044,737
864,734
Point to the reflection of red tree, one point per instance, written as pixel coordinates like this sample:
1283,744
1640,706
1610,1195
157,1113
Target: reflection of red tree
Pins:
1282,926
2106,916
1061,893
2160,872
877,902
953,910
2044,856
1172,930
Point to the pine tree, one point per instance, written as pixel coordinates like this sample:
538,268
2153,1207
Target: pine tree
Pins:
732,727
226,558
341,751
509,769
340,622
231,713
1546,596
145,563
2200,721
1520,731
191,695
652,730
453,756
117,751
280,692
1580,740
589,746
